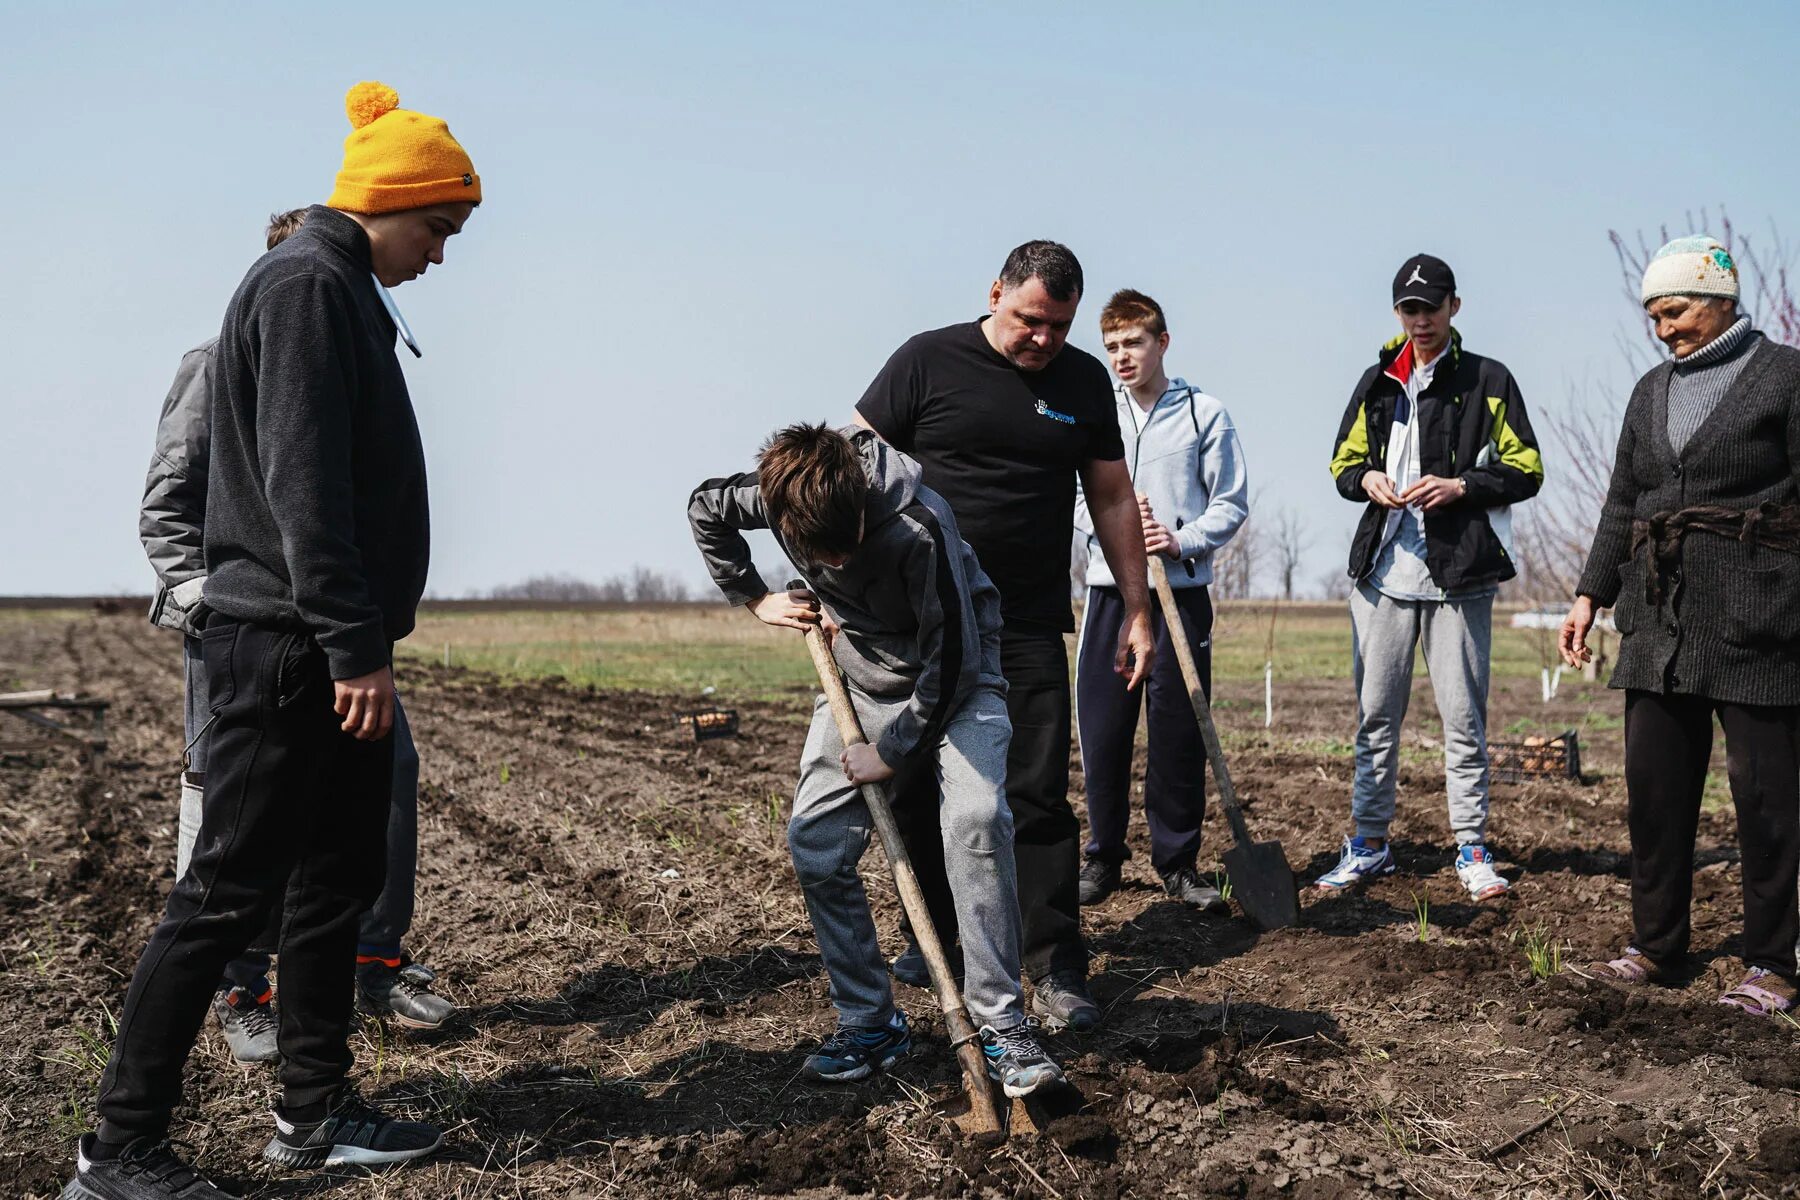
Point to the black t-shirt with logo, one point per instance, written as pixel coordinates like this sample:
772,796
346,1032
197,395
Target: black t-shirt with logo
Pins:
1003,446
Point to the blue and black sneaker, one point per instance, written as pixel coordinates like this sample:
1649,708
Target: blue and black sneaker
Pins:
853,1052
1015,1059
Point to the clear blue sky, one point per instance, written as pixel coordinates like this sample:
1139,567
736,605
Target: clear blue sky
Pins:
704,220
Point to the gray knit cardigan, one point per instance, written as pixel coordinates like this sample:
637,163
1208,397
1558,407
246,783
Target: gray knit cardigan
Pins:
1728,626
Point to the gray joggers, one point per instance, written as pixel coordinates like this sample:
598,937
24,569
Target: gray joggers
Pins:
830,830
384,925
1457,636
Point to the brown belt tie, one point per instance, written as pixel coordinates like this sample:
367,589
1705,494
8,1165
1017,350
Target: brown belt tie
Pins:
1776,526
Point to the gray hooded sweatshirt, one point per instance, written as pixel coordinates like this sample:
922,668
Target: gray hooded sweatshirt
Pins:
918,616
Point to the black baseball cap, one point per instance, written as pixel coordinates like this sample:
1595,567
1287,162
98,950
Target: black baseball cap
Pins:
1426,279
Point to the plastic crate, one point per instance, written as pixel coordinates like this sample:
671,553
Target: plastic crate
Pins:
1516,760
709,723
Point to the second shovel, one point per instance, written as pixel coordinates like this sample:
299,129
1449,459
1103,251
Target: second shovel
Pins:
1261,881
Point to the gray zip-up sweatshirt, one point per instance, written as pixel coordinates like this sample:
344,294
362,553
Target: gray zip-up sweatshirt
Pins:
1187,459
173,513
917,614
316,512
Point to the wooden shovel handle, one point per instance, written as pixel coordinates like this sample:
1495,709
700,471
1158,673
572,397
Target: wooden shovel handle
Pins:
1190,674
912,898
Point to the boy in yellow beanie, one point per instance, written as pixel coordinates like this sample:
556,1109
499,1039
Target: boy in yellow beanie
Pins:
316,542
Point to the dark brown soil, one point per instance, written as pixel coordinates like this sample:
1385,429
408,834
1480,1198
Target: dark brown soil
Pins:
612,905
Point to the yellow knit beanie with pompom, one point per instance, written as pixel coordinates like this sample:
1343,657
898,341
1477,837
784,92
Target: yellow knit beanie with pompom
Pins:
395,158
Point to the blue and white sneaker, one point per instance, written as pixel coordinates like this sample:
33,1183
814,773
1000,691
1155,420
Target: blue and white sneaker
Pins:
1015,1059
853,1052
1357,865
1475,867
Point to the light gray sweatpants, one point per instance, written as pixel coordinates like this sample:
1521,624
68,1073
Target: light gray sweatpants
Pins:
830,830
1457,636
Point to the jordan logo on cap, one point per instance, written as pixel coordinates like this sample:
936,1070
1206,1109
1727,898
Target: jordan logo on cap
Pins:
1416,277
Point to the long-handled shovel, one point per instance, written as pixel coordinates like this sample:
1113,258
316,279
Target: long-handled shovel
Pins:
1261,880
982,1117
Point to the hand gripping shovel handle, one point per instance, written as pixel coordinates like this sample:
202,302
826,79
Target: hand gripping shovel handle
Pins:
985,1118
1184,654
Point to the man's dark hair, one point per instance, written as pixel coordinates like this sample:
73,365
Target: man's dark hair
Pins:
283,225
1050,263
813,489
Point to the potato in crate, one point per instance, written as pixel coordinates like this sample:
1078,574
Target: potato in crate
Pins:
1514,761
710,723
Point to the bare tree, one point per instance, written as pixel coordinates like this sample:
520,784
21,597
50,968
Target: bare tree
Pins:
1237,562
1334,584
654,587
1287,544
642,586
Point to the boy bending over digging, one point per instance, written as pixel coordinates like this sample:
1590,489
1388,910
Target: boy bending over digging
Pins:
915,627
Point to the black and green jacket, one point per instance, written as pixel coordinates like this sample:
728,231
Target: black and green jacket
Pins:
1479,432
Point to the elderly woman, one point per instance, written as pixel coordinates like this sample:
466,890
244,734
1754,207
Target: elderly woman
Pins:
1698,547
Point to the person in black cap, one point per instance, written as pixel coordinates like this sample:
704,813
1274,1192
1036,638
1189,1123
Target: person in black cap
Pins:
1436,443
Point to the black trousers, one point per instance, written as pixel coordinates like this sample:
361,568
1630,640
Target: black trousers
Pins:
294,808
1668,741
1046,835
1107,718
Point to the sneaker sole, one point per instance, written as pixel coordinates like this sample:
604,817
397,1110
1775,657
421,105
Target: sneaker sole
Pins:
311,1158
1358,881
1033,1081
388,1014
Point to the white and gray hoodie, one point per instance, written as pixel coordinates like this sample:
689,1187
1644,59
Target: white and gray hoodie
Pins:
1185,456
917,615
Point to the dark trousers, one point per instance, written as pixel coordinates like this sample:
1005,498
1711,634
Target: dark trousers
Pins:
1668,740
385,925
1046,835
1107,718
293,806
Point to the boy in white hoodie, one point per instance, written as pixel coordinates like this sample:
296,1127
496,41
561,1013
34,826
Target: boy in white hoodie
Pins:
1189,472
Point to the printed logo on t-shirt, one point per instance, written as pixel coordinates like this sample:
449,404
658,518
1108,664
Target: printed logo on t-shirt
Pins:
1044,410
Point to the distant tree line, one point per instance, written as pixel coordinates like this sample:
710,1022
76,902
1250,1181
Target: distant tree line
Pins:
641,585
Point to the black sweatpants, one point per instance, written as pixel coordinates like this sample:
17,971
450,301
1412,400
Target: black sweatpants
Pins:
1107,718
1668,740
1046,835
294,807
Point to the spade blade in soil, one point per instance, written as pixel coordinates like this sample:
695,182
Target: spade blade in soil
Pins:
1035,1113
1263,885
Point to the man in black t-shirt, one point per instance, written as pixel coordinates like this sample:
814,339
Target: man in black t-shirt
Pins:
1005,419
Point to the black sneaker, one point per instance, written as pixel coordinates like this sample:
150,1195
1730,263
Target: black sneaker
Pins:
1061,998
1015,1059
1099,879
147,1170
402,993
1184,885
853,1053
909,967
248,1023
355,1134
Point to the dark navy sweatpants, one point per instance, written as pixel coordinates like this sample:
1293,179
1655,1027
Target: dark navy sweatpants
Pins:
1107,719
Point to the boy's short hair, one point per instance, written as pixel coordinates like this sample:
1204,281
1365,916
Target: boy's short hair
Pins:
1129,307
282,226
813,489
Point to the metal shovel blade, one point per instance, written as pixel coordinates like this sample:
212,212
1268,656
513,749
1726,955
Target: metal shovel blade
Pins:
1263,884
